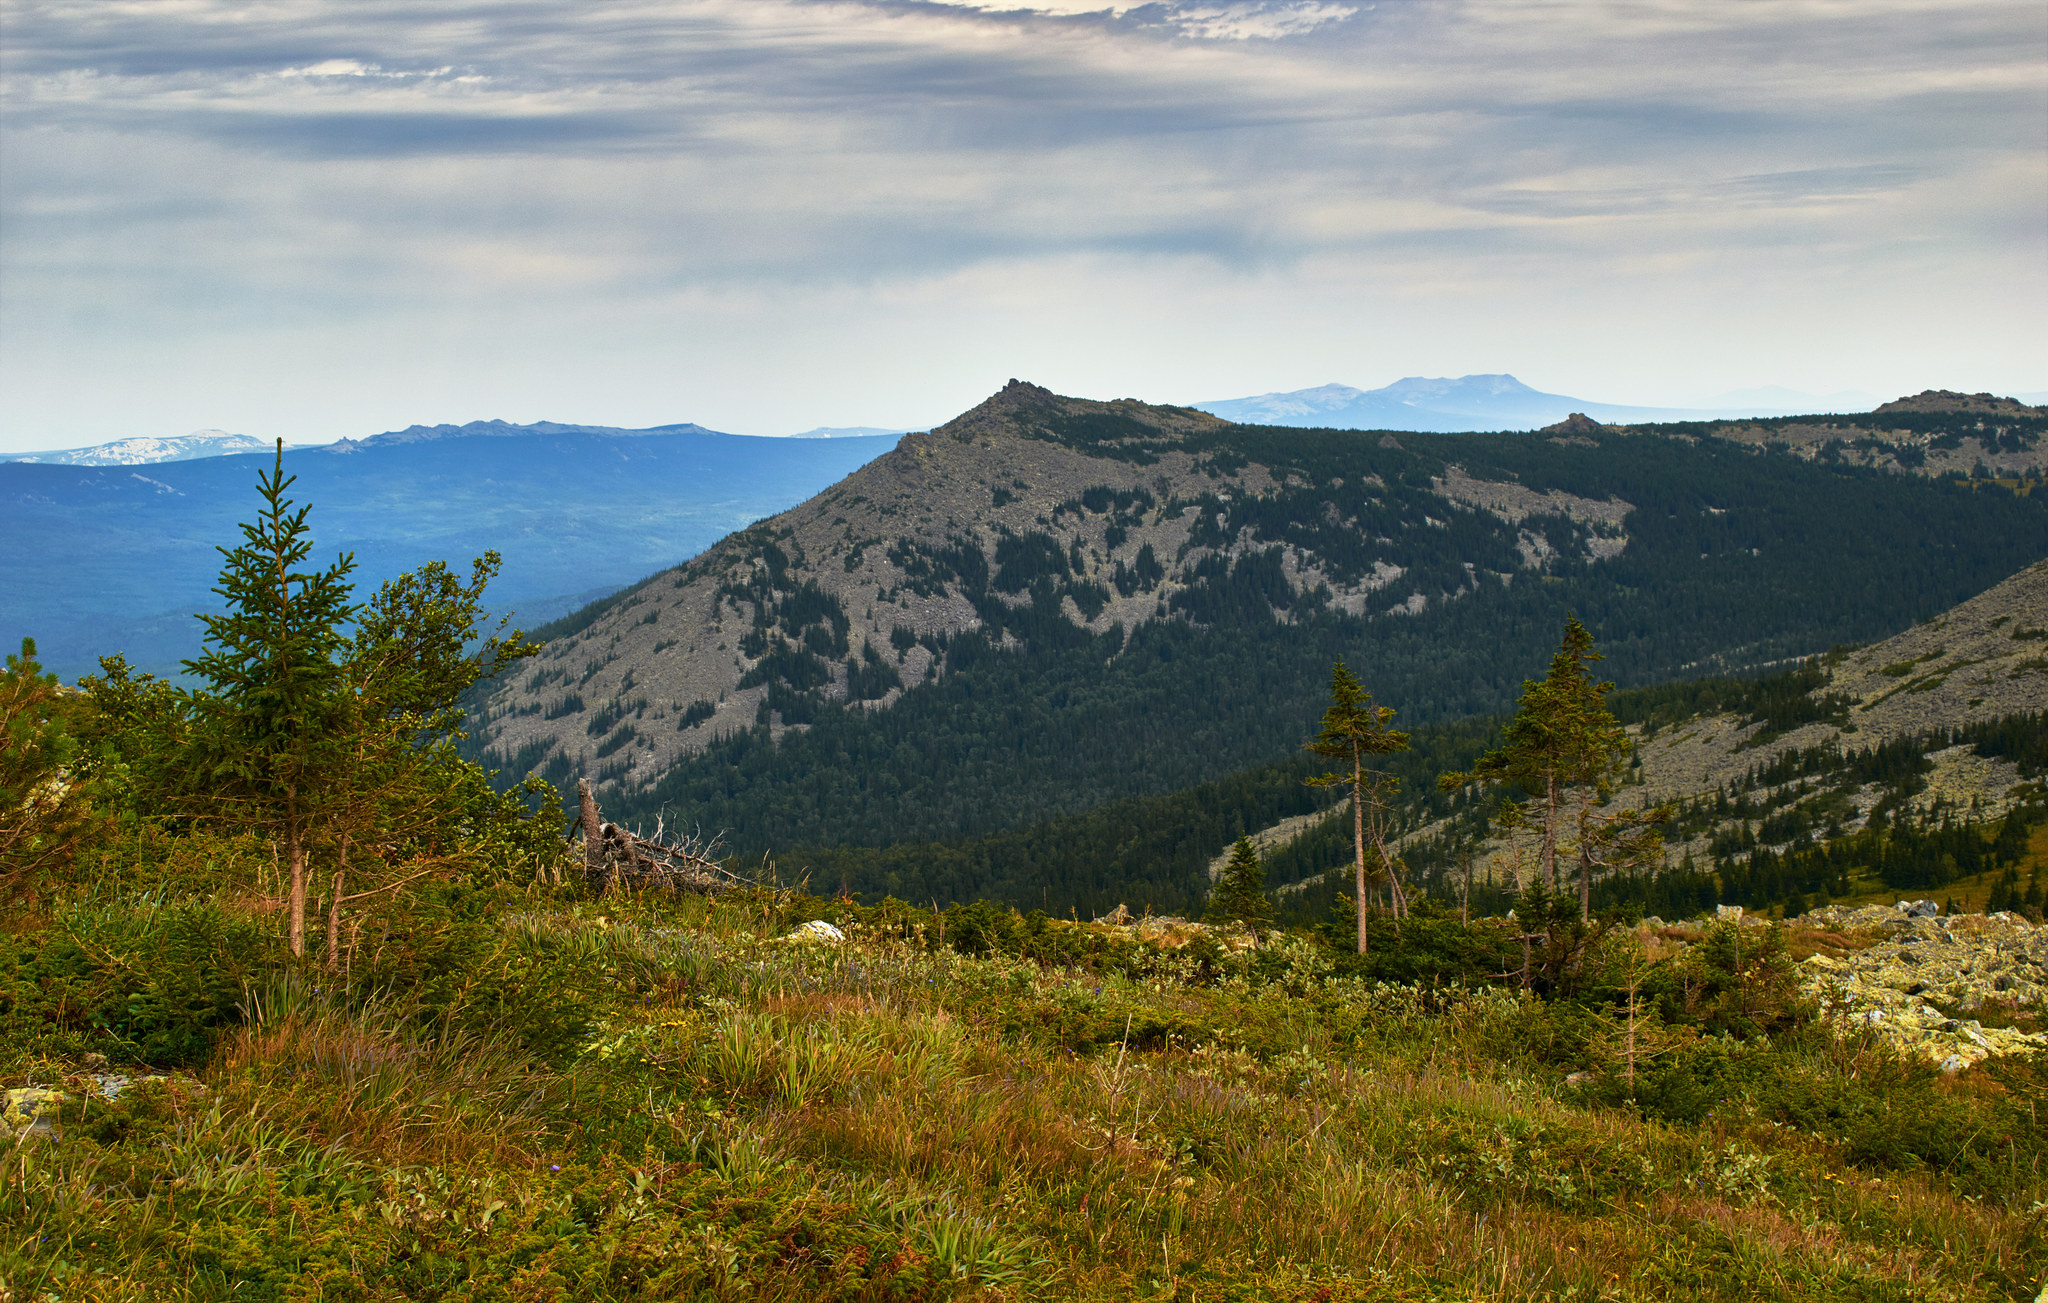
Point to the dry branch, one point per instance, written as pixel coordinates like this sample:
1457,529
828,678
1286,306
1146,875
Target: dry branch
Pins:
617,857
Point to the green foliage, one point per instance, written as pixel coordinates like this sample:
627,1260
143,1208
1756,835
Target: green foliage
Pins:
267,728
137,980
46,803
744,1116
326,727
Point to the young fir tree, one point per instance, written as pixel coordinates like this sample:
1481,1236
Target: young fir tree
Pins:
1353,731
271,726
1239,895
324,741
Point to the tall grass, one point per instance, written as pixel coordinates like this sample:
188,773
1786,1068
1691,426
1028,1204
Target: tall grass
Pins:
744,1117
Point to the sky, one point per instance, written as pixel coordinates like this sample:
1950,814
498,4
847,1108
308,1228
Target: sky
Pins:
315,218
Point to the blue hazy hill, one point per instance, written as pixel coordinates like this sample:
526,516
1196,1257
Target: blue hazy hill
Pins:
109,559
1473,402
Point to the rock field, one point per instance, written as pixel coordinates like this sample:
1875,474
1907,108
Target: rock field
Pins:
1924,969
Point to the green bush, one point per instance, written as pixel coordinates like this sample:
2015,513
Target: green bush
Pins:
144,982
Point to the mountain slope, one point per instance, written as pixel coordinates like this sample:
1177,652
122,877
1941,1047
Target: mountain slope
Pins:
1936,433
1050,603
1893,763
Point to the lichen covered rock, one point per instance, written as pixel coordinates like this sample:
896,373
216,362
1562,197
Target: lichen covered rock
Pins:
1908,988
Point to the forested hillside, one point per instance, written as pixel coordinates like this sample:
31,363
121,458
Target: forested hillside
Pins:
1052,604
1911,765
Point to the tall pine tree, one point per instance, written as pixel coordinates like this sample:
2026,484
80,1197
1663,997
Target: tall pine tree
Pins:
1564,743
1354,729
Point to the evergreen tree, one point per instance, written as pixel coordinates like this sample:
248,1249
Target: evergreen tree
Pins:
1564,741
271,726
1354,729
1239,895
325,739
403,675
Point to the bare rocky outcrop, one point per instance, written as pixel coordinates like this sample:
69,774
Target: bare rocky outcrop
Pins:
1577,423
1948,400
1912,988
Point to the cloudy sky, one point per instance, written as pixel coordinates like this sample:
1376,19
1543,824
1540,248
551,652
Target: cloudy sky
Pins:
312,218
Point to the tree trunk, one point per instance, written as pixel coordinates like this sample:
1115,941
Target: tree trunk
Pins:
593,829
295,854
1550,833
1358,835
1585,855
334,908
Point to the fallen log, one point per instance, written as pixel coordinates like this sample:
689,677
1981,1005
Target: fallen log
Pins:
617,858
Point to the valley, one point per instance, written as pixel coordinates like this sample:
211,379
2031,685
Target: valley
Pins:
967,732
120,558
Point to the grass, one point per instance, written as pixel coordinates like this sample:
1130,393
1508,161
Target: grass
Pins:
742,1117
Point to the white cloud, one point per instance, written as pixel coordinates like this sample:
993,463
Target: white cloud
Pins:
1244,20
551,200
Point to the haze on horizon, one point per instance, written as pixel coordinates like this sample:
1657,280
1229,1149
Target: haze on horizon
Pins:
312,219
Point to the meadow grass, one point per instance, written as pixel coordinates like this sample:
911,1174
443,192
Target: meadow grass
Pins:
685,1105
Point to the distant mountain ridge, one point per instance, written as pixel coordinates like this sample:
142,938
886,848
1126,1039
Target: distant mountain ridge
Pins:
118,558
1471,402
506,429
144,451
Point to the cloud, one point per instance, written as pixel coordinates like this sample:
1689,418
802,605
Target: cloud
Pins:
217,171
1247,20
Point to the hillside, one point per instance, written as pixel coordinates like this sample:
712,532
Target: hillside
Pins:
1892,766
117,559
1893,726
1050,603
647,1099
511,1067
1935,433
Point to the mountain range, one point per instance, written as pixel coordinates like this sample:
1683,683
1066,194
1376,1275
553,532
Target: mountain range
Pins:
1050,603
116,558
1492,402
143,451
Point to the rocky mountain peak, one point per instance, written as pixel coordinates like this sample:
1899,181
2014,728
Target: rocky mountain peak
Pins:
1576,423
1948,400
1033,518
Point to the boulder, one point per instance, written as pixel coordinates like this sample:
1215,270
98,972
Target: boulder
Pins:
817,930
1898,990
31,1111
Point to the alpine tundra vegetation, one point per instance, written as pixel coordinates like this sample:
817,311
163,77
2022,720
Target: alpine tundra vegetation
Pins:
1721,984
